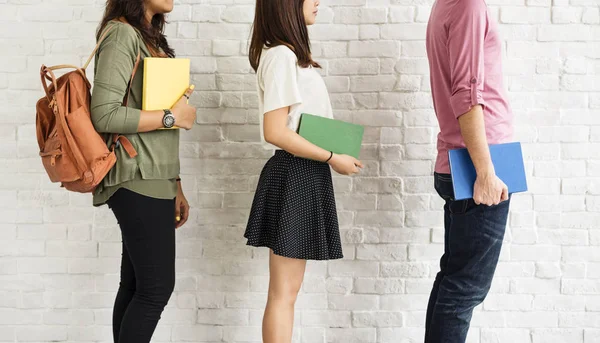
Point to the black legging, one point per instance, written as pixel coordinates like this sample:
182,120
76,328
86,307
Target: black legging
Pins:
147,265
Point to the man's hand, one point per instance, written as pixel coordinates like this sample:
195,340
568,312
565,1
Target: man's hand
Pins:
489,190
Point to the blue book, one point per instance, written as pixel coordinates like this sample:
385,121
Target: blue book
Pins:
508,163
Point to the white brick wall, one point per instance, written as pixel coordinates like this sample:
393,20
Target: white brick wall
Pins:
59,258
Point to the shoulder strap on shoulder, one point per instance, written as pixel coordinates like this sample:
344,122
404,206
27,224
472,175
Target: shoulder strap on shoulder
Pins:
106,31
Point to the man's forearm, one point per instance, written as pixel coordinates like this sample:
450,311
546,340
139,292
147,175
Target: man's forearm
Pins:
472,127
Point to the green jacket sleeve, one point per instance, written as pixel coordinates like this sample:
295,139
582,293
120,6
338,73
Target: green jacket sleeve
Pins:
114,64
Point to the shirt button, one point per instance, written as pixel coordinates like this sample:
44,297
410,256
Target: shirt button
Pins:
473,80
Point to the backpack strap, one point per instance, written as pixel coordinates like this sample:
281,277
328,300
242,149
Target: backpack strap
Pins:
135,68
118,139
121,140
89,60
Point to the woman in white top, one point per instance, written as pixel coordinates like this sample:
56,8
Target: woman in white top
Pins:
293,212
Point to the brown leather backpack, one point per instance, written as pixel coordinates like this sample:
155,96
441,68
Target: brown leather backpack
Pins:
72,152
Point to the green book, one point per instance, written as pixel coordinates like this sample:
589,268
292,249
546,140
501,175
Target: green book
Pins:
331,134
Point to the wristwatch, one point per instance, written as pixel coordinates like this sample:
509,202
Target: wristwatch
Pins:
168,119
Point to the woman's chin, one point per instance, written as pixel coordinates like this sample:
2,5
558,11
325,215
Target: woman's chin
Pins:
167,9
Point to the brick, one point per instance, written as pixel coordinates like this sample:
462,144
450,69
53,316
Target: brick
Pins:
372,83
326,318
352,66
407,302
238,14
349,15
404,269
556,335
376,319
578,287
515,269
222,317
354,335
33,334
508,302
311,301
590,335
374,49
579,83
535,253
505,335
368,31
403,31
547,270
535,286
563,33
71,249
579,319
524,49
334,49
206,13
533,319
563,237
223,31
566,15
573,270
559,303
591,16
353,268
379,252
524,15
192,333
406,168
340,32
419,286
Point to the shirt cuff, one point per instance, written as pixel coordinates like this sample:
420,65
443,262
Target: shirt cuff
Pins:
464,100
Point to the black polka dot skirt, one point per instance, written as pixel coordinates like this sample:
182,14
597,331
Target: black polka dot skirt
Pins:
293,211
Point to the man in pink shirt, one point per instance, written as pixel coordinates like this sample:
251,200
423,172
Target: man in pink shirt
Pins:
471,104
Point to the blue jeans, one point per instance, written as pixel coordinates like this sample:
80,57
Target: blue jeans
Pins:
472,242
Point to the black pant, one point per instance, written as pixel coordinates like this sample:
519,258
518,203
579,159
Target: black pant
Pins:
472,242
147,265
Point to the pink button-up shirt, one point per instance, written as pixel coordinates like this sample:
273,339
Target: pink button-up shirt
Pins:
465,52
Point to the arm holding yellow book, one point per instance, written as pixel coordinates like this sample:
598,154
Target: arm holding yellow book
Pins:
165,82
184,115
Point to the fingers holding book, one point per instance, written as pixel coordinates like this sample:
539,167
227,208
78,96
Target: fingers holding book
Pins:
345,164
185,115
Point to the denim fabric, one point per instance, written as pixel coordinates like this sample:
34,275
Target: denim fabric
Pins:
472,242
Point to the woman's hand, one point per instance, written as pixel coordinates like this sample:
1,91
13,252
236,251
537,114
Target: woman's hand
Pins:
182,208
185,115
344,164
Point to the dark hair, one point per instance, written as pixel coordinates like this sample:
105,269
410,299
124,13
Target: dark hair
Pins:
279,22
134,13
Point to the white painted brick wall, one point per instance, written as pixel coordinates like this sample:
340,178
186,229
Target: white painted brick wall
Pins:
59,257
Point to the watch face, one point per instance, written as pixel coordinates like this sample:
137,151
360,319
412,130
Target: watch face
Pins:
168,121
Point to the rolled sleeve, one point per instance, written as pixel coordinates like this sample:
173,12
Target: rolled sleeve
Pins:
116,59
466,36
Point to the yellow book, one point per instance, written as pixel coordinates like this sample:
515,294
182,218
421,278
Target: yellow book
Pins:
165,81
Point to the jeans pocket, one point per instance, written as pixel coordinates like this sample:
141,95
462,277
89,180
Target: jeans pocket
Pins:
461,206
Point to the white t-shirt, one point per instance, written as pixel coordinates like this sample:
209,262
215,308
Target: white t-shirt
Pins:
282,82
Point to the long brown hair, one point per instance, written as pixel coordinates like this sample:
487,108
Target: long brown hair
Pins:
280,22
134,13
